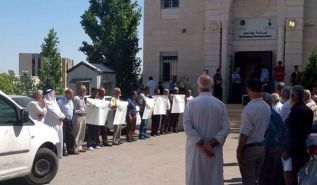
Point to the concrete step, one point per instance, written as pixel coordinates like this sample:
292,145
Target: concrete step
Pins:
234,111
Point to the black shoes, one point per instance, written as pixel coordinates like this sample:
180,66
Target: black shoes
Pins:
65,153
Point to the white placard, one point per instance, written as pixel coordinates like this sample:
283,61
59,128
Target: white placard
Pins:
138,119
287,164
160,105
264,28
178,105
97,111
121,113
148,110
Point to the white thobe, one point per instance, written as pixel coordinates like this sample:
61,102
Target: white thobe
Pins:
53,118
205,118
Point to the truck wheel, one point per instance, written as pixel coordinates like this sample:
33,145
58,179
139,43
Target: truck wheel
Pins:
44,169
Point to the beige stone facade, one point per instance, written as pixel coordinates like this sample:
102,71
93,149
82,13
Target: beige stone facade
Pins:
30,63
207,34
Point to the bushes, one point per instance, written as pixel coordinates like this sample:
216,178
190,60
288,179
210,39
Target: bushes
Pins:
308,77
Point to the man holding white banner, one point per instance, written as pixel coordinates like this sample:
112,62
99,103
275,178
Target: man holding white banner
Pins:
114,102
92,133
104,130
159,110
166,118
144,104
173,127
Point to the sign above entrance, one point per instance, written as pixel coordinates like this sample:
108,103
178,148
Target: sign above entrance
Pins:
255,28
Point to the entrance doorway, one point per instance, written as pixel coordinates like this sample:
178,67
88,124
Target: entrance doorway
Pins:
250,64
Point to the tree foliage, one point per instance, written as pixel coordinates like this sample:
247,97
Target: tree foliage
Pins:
308,77
12,84
24,85
183,83
112,28
50,73
6,84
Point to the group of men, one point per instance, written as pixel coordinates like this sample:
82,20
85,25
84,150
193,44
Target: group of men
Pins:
273,133
68,116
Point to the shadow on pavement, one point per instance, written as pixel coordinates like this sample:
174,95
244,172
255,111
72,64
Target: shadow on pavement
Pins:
14,182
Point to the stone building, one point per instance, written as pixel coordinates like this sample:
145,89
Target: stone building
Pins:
187,37
30,63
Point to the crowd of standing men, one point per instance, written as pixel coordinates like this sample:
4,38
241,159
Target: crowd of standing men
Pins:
67,116
273,132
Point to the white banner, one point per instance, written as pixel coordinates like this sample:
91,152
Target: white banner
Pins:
138,119
121,113
148,110
160,105
178,105
97,111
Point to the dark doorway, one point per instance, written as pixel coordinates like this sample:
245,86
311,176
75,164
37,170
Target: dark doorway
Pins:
250,64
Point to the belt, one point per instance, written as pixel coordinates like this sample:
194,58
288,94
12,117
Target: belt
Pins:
80,114
253,145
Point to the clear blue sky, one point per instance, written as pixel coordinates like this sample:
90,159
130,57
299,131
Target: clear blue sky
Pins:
25,23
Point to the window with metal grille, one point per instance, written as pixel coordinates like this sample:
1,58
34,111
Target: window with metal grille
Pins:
168,65
169,4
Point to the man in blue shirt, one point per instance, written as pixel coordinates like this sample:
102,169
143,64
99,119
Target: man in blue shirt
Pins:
272,169
131,116
142,103
67,107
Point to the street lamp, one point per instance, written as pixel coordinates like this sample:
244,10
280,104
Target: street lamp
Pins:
291,23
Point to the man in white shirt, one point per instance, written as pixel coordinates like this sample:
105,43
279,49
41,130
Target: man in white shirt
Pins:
276,104
286,108
254,123
37,109
189,95
152,84
206,134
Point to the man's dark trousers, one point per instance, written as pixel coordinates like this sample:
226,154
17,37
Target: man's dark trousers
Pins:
68,135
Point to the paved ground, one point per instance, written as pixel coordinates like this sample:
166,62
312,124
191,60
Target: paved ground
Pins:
155,161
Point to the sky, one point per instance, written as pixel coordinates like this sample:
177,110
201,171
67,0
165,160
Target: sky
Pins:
25,23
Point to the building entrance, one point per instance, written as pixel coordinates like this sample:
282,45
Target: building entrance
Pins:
251,63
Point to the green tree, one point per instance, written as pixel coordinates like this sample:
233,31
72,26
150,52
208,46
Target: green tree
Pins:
183,84
112,28
50,73
6,84
12,84
308,77
24,85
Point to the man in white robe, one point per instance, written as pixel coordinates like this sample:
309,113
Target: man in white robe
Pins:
206,124
54,118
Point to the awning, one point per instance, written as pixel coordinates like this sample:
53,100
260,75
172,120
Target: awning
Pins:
80,80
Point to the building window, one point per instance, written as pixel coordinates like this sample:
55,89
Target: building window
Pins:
38,64
169,4
168,65
33,66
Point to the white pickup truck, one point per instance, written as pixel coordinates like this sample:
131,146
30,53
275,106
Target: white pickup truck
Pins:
27,147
